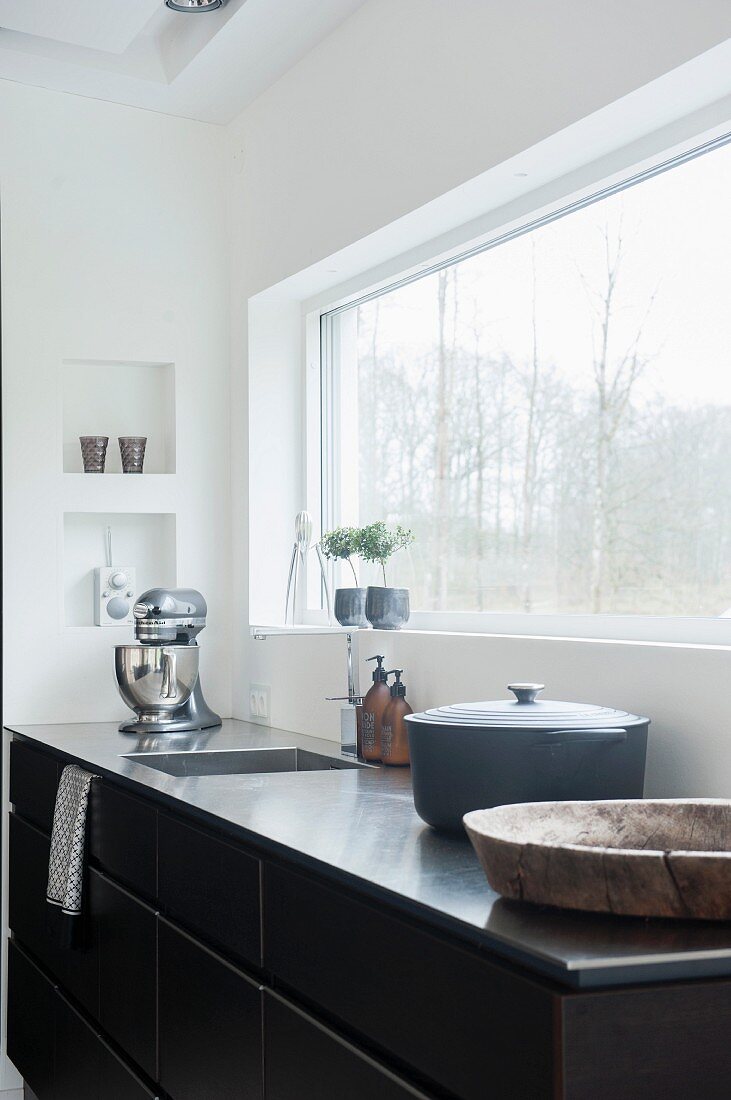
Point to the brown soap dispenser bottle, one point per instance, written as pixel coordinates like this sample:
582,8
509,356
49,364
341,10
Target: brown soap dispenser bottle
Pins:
394,735
371,715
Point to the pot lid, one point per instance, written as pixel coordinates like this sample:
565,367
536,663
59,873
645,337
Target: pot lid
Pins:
526,711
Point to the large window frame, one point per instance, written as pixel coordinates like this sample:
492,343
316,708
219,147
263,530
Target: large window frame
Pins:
330,478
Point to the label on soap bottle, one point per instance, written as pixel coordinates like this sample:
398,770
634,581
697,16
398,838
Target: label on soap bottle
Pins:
386,739
369,731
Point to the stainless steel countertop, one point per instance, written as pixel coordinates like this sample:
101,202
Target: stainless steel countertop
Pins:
360,826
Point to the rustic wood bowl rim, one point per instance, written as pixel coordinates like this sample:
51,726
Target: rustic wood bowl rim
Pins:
473,819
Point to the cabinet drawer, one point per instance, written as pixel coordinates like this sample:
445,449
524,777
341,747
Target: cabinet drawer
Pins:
60,1055
30,1022
33,783
126,933
210,887
305,1061
119,1082
668,1041
76,1060
85,1068
123,837
210,1020
38,925
475,1028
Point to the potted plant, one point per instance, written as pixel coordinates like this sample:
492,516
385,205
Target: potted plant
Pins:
341,545
386,608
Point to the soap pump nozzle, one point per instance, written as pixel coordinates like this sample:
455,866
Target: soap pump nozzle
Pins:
397,689
380,676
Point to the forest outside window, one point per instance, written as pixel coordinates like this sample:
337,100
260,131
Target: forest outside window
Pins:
551,416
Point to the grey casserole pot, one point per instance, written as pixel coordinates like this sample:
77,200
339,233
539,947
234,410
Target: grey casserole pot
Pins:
472,756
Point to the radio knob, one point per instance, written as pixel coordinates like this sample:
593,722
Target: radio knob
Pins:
118,580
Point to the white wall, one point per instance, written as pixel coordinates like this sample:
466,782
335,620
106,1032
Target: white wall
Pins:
275,489
679,687
369,132
114,247
408,99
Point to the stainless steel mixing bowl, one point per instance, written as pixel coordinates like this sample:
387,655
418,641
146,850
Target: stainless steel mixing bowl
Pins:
156,680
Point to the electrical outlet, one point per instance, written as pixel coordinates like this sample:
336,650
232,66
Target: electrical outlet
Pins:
260,703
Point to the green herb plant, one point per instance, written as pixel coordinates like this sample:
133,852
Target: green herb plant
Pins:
377,543
341,544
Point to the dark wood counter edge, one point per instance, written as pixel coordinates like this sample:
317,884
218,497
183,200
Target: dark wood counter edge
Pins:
563,979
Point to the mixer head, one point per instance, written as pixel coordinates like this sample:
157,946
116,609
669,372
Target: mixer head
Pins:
169,616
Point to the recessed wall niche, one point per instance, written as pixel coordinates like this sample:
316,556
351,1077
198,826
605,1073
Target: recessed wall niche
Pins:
144,541
115,397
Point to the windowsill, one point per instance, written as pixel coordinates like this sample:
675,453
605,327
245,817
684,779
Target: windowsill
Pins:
269,630
292,630
640,643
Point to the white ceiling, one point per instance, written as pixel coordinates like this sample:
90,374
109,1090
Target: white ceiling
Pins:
203,65
81,23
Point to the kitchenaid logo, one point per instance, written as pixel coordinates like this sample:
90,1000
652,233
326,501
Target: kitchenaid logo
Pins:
171,622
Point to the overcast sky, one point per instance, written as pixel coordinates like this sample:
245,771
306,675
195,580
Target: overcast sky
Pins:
677,245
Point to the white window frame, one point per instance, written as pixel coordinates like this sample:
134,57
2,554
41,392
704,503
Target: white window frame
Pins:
328,496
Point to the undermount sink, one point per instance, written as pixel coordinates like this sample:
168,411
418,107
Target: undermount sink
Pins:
240,761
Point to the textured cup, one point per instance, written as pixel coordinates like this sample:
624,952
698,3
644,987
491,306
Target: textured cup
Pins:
387,608
93,452
132,449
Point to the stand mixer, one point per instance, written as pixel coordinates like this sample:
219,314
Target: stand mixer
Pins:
158,677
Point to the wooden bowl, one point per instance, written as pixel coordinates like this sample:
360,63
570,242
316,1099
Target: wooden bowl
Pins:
643,858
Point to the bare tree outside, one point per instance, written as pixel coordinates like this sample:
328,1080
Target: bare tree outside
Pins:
552,417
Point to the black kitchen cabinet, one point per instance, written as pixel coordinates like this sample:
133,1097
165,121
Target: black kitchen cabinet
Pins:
260,979
210,1021
85,1067
76,1062
126,931
118,1082
111,966
31,1022
58,1052
670,1041
30,916
123,837
452,1017
210,887
306,1061
38,925
33,783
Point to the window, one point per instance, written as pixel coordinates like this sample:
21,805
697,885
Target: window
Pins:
551,415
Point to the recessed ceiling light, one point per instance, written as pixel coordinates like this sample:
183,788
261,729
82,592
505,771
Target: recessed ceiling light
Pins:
520,175
194,5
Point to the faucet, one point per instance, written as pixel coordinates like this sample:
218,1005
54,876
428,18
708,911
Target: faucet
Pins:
348,727
348,717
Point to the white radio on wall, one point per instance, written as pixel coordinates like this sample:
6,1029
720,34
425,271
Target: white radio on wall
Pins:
114,591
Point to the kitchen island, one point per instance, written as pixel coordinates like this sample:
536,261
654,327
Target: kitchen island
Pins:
314,914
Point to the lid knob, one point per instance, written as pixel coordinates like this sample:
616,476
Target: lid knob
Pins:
526,693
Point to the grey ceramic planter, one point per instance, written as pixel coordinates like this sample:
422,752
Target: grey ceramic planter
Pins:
350,604
387,608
